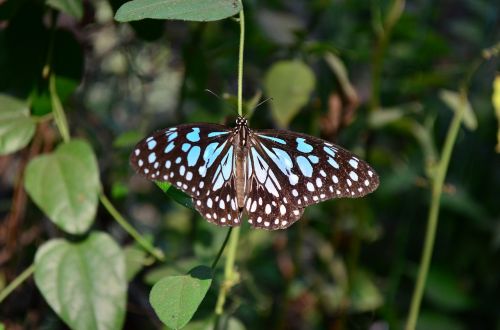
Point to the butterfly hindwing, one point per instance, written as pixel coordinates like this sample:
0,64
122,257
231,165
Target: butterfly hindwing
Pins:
268,203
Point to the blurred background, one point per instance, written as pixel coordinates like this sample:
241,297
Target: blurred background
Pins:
341,70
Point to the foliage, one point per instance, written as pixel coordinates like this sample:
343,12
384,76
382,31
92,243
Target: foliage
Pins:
81,82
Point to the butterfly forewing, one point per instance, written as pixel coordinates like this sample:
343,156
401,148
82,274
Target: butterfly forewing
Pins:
184,155
292,170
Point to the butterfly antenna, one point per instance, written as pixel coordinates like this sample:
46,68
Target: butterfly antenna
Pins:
213,93
261,103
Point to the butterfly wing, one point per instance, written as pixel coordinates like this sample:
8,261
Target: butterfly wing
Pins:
290,171
197,159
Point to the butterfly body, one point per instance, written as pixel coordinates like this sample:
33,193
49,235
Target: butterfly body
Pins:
271,175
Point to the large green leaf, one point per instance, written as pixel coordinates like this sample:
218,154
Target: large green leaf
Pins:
290,84
16,126
70,7
189,10
83,282
65,185
175,299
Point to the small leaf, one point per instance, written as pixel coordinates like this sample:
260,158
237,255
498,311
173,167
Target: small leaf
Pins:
280,27
175,299
127,139
455,101
65,185
387,116
495,98
188,10
365,296
340,71
290,84
16,126
71,7
177,195
445,290
84,282
135,260
428,320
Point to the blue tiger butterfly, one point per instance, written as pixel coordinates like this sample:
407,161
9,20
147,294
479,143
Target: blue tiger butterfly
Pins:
271,175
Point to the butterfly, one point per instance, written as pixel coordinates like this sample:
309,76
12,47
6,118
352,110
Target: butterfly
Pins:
269,175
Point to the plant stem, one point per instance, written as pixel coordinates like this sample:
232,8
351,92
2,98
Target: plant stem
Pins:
16,282
384,34
240,62
58,110
157,253
230,276
432,221
221,250
437,188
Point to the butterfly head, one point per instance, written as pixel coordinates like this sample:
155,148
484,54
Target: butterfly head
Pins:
241,122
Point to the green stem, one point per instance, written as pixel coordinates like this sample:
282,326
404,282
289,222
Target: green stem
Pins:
230,277
16,282
58,110
384,35
157,253
223,246
432,221
437,189
240,63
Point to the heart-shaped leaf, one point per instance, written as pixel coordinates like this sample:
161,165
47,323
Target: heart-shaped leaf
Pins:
84,282
188,10
290,84
65,185
175,299
16,125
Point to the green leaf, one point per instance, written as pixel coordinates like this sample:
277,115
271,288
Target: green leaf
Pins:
290,84
71,7
340,71
365,296
127,139
175,299
445,290
83,282
429,320
16,126
135,260
65,185
188,10
455,101
177,195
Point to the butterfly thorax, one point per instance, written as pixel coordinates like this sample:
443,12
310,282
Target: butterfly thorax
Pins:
240,145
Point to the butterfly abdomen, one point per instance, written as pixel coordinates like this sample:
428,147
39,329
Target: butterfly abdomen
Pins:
241,151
